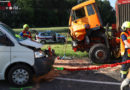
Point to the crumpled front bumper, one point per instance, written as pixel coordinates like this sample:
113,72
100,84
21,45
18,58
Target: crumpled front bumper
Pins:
44,65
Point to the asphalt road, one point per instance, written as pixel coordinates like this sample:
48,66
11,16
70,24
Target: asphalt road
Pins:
103,79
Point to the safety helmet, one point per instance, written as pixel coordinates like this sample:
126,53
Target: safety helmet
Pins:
125,25
25,26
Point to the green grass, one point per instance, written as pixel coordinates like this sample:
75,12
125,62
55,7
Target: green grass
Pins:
61,49
58,47
56,29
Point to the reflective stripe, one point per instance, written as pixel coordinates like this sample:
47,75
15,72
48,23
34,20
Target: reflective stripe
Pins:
128,51
122,53
123,72
122,45
18,36
128,55
25,34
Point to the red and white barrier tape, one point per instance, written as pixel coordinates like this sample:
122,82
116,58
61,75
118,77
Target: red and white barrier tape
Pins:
93,67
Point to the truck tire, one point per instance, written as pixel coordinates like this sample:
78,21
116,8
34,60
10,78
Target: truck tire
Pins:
99,54
20,75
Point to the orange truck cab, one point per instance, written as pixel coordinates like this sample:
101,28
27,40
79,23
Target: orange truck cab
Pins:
87,32
84,16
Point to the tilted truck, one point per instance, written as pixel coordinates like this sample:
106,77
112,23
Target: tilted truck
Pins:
88,33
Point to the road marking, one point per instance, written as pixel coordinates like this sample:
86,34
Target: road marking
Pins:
88,81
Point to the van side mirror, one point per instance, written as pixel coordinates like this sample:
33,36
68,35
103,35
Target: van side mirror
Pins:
4,40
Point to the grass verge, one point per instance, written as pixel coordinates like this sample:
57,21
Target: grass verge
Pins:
60,49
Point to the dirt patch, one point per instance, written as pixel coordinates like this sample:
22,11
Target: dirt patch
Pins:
84,63
76,63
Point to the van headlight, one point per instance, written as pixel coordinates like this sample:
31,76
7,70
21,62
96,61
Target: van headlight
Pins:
39,54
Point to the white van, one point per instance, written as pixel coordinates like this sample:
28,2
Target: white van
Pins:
21,59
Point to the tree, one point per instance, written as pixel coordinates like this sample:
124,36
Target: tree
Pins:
106,11
41,13
52,12
27,11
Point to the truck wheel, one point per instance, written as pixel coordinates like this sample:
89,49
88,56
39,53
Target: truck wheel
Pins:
99,54
20,75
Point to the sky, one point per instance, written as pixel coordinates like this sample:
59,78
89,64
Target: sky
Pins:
112,3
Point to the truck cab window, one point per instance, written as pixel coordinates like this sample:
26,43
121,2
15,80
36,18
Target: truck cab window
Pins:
90,10
80,13
73,15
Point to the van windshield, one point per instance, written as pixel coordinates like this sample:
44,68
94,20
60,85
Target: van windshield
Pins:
9,30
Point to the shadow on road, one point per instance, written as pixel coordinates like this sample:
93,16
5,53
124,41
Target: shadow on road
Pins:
49,81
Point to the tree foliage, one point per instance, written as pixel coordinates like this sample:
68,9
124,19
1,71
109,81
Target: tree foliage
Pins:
106,11
44,13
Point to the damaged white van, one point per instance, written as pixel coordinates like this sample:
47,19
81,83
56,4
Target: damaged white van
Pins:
21,59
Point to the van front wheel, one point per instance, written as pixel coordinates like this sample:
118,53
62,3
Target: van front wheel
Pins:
20,75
